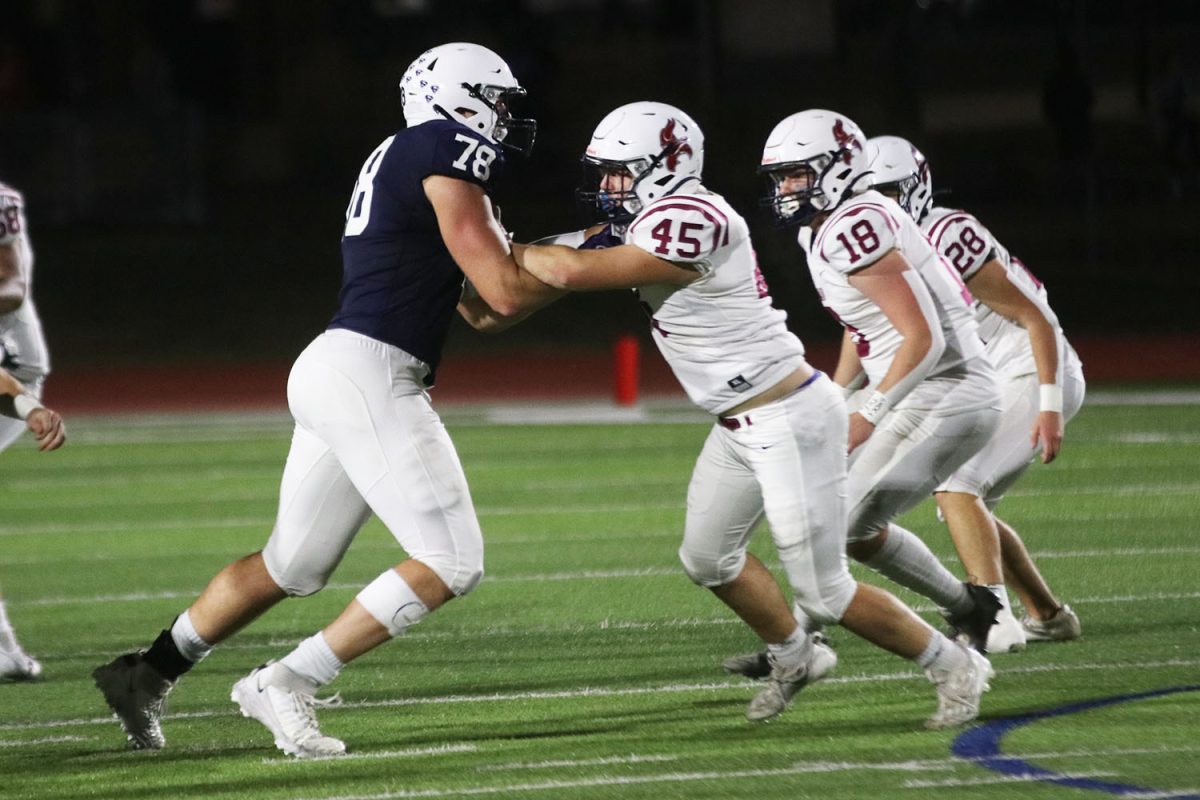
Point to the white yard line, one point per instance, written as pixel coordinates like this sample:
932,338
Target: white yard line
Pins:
582,762
738,686
995,780
410,752
43,740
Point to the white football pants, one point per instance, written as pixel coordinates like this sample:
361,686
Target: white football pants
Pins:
993,470
11,429
919,444
367,440
786,459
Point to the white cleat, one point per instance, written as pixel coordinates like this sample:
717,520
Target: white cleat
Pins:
1007,635
1062,627
784,682
17,665
285,702
959,690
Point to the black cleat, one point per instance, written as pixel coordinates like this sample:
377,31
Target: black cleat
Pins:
976,623
750,665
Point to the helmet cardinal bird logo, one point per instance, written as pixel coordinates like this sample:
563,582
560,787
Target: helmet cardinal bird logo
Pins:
673,146
845,140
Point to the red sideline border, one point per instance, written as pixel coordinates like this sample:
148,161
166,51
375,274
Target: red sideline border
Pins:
520,376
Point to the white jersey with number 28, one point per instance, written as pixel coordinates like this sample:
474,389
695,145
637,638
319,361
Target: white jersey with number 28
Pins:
965,244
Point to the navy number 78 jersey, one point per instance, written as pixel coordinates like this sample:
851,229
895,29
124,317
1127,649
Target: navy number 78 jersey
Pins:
400,284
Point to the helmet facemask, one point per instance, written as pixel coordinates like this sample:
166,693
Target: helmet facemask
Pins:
901,191
514,133
796,204
606,193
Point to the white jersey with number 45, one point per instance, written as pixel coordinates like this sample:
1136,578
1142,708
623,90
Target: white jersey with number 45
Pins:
860,232
967,245
720,334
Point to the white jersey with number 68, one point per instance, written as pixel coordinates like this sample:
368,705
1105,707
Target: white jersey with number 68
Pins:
860,232
720,334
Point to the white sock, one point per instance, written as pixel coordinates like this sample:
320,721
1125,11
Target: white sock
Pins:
187,641
8,638
942,654
314,659
792,650
908,561
807,623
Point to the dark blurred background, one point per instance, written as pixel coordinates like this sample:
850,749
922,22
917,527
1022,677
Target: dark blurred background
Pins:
187,163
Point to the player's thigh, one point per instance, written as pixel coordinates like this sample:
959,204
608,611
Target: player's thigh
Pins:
370,408
10,430
724,503
319,514
801,468
906,458
1074,391
417,484
1009,450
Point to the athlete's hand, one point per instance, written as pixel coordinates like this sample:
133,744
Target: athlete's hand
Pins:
601,239
47,426
1048,432
860,431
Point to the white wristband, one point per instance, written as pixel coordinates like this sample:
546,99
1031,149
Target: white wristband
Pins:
874,407
1051,397
25,404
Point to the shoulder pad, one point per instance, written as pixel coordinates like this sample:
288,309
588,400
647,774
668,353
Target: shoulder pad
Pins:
857,237
459,152
680,228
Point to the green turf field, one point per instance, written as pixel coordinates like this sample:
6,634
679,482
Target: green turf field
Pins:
586,664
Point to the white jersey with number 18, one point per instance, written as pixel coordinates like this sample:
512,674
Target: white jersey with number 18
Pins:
860,232
721,336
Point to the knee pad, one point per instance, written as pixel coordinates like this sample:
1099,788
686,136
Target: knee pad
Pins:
299,578
392,602
826,603
460,575
709,571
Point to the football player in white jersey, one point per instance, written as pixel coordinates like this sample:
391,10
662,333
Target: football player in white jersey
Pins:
1042,383
778,445
24,364
933,399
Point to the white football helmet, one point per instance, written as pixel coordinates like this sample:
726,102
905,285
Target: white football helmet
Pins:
827,148
470,84
660,147
900,171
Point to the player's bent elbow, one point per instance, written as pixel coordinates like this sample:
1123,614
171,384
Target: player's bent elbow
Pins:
507,308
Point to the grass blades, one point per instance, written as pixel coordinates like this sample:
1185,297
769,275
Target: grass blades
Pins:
586,664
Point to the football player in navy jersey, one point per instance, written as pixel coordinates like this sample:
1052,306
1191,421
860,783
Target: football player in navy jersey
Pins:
366,438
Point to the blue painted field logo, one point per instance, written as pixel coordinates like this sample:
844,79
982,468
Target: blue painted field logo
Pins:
981,745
